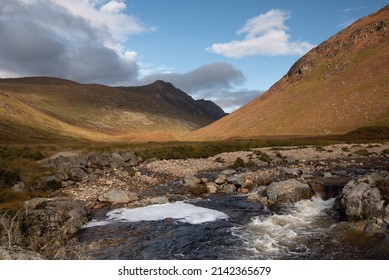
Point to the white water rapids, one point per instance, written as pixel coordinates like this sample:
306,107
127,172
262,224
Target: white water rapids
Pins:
280,234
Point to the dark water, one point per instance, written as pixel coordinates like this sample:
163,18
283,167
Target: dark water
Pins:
308,230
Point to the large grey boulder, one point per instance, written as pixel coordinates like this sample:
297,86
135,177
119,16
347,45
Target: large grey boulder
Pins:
361,201
287,192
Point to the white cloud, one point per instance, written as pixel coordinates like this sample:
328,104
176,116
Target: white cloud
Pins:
130,55
353,9
266,34
113,7
109,19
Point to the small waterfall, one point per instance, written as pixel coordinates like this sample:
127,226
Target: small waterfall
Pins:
286,234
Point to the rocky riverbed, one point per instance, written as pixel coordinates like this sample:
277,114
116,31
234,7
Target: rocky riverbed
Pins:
355,175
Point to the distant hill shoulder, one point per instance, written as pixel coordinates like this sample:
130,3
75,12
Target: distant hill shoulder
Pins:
338,86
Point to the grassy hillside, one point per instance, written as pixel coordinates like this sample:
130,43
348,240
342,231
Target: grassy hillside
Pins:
339,86
51,109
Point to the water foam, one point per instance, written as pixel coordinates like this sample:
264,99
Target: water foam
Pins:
181,211
283,232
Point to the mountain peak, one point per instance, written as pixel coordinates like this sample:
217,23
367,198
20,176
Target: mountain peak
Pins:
162,84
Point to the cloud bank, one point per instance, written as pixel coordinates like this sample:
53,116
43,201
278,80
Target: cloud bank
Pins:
78,40
265,34
211,76
218,82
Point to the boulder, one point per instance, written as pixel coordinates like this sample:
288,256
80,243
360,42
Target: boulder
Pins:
130,159
328,175
289,171
287,192
118,197
204,180
290,159
228,171
47,224
230,188
191,180
361,201
198,189
159,200
76,174
212,187
259,162
116,157
243,190
50,183
236,180
221,179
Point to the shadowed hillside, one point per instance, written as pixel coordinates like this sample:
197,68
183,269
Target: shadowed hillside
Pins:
338,86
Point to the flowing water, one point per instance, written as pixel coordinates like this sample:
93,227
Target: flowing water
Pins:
228,227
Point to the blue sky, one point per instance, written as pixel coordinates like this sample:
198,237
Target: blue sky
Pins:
226,51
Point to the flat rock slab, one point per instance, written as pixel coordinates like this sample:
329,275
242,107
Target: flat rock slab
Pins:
118,197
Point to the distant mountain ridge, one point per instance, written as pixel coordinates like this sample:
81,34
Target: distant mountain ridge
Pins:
47,108
167,92
338,86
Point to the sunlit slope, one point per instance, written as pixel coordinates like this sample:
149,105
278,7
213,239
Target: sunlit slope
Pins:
21,123
340,85
50,108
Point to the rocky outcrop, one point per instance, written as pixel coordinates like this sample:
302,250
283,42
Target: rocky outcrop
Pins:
46,224
77,168
366,199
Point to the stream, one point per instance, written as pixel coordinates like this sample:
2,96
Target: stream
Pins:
227,227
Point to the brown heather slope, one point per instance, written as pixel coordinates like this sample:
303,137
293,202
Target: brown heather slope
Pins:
51,109
338,86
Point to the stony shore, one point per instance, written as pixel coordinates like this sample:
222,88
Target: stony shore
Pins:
356,174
